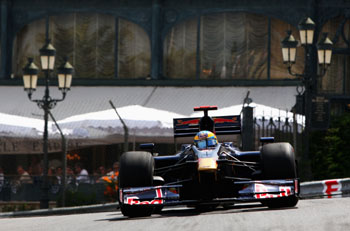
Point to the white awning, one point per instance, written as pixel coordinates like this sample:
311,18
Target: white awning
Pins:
86,114
141,122
20,126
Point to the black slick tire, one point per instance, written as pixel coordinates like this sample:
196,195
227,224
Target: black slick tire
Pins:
136,170
278,162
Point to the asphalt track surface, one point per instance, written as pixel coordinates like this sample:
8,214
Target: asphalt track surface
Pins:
317,214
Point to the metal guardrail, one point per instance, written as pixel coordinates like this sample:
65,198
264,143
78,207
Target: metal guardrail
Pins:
31,192
325,188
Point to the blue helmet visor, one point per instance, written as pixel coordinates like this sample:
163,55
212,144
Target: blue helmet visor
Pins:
211,142
202,144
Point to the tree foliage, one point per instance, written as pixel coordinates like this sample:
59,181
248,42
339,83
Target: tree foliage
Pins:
330,150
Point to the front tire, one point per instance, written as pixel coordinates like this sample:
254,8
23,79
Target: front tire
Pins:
136,170
278,162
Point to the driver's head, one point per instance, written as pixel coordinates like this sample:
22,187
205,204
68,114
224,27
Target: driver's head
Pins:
205,140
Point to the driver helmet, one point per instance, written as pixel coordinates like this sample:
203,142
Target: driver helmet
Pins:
205,140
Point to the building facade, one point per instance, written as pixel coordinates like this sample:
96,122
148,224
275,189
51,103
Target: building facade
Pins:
171,42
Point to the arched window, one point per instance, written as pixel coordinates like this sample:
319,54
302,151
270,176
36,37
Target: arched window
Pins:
134,51
232,46
180,51
90,41
337,78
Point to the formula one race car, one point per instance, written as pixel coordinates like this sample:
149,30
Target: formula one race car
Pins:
207,173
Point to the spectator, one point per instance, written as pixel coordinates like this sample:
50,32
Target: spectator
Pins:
23,176
51,174
100,172
70,175
82,174
59,175
35,169
115,171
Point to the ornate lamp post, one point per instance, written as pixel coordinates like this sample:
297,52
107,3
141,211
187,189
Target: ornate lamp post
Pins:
30,77
308,77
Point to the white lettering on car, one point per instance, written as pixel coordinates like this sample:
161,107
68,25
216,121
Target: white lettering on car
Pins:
134,200
262,192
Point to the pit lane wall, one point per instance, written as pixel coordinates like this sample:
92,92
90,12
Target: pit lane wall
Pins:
325,188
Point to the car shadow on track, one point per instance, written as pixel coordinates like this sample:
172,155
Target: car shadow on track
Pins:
187,212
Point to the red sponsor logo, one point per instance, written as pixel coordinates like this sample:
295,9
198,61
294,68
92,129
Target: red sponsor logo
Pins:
260,189
205,107
285,191
223,120
134,200
186,122
331,188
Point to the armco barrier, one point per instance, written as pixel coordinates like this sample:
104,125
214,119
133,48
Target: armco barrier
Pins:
325,188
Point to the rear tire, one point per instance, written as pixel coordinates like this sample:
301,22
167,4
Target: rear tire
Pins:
136,170
278,162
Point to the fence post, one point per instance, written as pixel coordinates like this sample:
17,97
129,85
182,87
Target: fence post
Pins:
248,129
295,133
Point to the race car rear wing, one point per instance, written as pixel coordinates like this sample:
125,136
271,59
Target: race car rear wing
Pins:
223,125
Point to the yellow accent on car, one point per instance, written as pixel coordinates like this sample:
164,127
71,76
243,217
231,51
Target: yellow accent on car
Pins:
207,164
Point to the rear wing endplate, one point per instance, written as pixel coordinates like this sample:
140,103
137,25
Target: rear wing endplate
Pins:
224,125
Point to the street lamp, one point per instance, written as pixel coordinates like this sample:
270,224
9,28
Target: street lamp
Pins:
289,48
65,74
30,77
324,52
306,30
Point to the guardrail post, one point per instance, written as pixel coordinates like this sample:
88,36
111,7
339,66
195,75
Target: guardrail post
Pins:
248,129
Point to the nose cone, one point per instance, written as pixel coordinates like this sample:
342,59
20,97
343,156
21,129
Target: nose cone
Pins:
207,164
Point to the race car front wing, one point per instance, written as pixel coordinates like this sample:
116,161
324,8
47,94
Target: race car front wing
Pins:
168,195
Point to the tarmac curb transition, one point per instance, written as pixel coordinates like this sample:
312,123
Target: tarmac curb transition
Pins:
314,189
63,211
